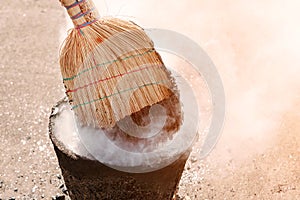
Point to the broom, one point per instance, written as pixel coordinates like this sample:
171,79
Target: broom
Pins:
110,68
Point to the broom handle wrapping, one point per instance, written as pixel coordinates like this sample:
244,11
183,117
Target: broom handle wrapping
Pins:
82,12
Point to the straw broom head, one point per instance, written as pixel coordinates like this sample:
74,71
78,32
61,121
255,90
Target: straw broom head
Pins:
110,68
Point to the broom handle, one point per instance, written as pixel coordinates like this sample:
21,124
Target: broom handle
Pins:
82,12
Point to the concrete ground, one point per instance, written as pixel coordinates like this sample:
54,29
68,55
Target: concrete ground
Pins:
30,85
255,47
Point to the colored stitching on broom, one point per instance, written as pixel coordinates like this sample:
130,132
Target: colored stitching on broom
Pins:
117,93
108,78
74,4
81,32
86,24
107,63
80,14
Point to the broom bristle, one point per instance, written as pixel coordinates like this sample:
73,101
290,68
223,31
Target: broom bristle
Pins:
111,70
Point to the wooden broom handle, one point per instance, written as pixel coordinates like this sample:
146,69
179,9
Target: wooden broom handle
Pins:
82,12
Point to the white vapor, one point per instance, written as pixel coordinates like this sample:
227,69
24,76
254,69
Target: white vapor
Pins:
254,45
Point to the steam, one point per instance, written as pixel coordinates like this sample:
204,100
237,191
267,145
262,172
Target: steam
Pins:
255,46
